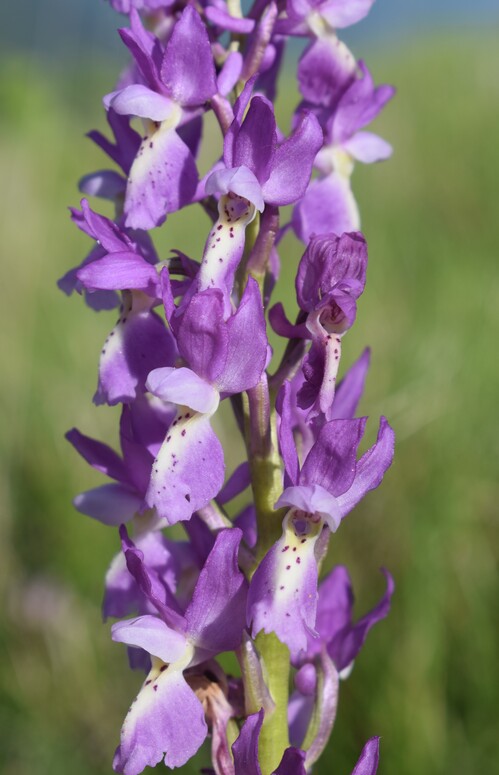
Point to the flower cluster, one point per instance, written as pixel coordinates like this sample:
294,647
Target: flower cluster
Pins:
191,334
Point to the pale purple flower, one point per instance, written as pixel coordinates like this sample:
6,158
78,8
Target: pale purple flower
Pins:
176,82
167,719
283,591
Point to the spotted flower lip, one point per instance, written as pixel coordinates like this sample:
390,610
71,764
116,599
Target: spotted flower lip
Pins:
163,177
224,356
167,710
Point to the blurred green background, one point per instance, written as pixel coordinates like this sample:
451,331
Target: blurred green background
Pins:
427,681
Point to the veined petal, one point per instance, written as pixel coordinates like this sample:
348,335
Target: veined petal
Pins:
165,721
326,68
122,595
371,468
138,100
120,271
162,179
98,455
331,462
292,165
202,334
285,433
189,468
328,206
221,18
292,763
245,748
216,614
105,184
344,13
368,147
369,758
231,70
151,634
247,344
255,142
111,504
187,69
182,386
345,642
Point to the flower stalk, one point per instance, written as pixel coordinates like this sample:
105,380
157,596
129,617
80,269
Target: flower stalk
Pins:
193,332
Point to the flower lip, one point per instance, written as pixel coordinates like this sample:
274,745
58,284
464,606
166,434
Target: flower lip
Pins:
312,501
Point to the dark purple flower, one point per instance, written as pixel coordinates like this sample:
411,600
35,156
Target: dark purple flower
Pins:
167,719
331,277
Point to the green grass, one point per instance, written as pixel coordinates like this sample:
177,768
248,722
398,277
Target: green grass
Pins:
427,680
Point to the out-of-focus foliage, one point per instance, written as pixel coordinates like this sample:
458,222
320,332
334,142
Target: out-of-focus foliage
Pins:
427,680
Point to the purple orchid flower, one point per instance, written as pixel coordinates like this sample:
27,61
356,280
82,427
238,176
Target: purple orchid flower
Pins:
177,83
109,184
283,591
143,425
167,719
321,17
331,277
223,357
139,343
257,167
245,751
111,240
343,638
172,565
329,655
346,400
329,204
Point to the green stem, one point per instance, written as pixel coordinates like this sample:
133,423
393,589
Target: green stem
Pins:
274,737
